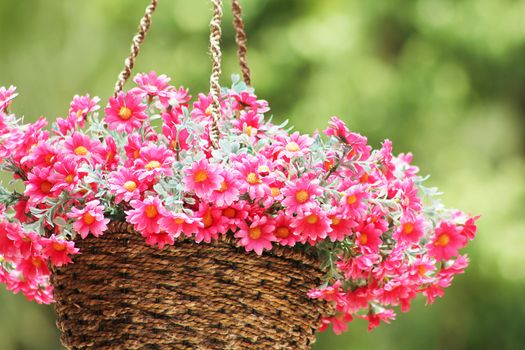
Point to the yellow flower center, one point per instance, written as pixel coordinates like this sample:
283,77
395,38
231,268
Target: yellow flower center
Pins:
255,233
208,111
179,221
312,219
59,247
124,113
207,219
422,270
154,164
275,191
408,228
302,196
443,240
336,221
253,179
293,147
263,169
88,218
136,153
224,186
36,262
363,238
70,178
46,186
200,176
282,232
249,130
81,151
130,185
151,211
351,199
229,212
49,158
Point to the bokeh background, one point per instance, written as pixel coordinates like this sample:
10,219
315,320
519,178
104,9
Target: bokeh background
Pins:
444,79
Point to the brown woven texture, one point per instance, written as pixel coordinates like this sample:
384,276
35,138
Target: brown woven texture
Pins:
123,294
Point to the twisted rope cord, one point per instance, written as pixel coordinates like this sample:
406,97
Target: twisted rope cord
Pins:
215,87
138,39
240,39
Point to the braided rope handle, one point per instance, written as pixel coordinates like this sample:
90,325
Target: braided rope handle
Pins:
215,50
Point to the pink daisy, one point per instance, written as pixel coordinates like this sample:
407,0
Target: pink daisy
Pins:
145,215
154,161
81,106
59,250
201,108
283,231
341,227
368,238
203,178
235,213
312,225
252,173
90,219
213,223
410,230
132,148
177,138
65,176
177,223
248,101
295,145
125,113
125,185
83,147
257,236
110,154
6,96
228,191
353,203
39,185
374,318
151,84
33,267
300,194
447,241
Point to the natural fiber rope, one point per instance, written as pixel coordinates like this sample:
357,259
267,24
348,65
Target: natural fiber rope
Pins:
138,39
240,39
215,87
121,293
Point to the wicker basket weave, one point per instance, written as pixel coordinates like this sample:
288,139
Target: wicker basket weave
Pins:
123,294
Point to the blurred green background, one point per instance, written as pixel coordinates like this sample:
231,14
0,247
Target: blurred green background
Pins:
442,78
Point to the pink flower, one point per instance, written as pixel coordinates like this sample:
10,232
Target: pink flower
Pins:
125,185
339,322
132,148
409,230
145,215
203,178
110,154
177,138
295,145
248,101
33,267
374,318
447,241
235,214
300,195
256,236
333,293
81,106
252,173
125,113
341,227
177,223
151,84
368,238
358,143
6,96
469,228
65,177
39,185
82,146
213,223
228,192
353,203
201,108
312,225
58,250
283,231
90,219
154,161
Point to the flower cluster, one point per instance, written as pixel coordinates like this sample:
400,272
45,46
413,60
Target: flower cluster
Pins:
382,237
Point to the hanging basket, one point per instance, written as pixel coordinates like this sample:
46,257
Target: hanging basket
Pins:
121,293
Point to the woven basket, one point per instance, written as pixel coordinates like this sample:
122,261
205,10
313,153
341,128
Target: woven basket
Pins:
121,293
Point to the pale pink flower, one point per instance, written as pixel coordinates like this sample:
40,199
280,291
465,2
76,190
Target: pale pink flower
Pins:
90,219
125,113
258,235
295,145
151,84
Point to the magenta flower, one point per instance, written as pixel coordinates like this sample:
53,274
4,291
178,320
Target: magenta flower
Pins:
447,241
228,192
312,225
81,106
368,238
125,185
410,229
82,146
125,113
283,231
300,194
203,178
213,223
6,96
295,145
65,176
90,219
154,161
256,236
58,250
253,174
177,223
151,84
145,215
39,185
